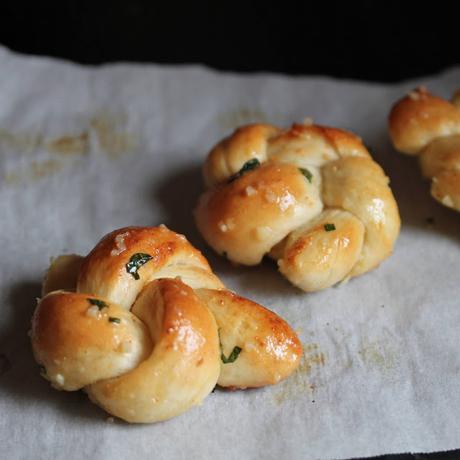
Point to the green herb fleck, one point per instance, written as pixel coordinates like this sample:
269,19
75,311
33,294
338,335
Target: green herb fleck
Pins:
307,174
100,304
135,262
248,166
329,227
232,357
42,369
112,319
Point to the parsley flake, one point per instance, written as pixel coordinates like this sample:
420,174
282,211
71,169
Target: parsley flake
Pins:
232,357
112,319
135,262
248,166
329,227
100,304
307,173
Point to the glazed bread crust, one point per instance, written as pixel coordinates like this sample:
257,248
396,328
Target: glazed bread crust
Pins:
271,350
427,126
310,196
139,327
104,269
183,366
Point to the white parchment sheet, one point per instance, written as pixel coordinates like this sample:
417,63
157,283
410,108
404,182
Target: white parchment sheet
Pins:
86,150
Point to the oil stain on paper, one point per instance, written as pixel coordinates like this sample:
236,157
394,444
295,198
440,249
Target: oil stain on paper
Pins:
378,355
35,170
69,145
103,134
112,141
23,142
300,384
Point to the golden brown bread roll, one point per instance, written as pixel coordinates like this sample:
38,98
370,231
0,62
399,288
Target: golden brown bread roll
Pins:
429,126
311,197
147,329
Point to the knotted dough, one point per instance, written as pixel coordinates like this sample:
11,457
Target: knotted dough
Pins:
428,126
311,197
147,329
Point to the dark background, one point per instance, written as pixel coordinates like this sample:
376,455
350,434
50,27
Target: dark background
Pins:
381,41
367,40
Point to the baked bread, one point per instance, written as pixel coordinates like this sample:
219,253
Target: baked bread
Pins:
311,197
428,126
147,330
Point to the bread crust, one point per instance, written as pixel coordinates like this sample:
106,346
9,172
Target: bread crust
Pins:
270,348
143,340
183,366
245,214
427,126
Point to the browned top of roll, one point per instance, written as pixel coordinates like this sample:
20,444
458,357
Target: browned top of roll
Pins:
419,117
265,183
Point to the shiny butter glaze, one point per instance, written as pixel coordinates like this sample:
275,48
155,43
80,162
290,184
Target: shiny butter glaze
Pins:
429,126
307,170
158,356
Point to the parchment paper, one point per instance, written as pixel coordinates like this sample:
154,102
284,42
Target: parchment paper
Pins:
86,150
